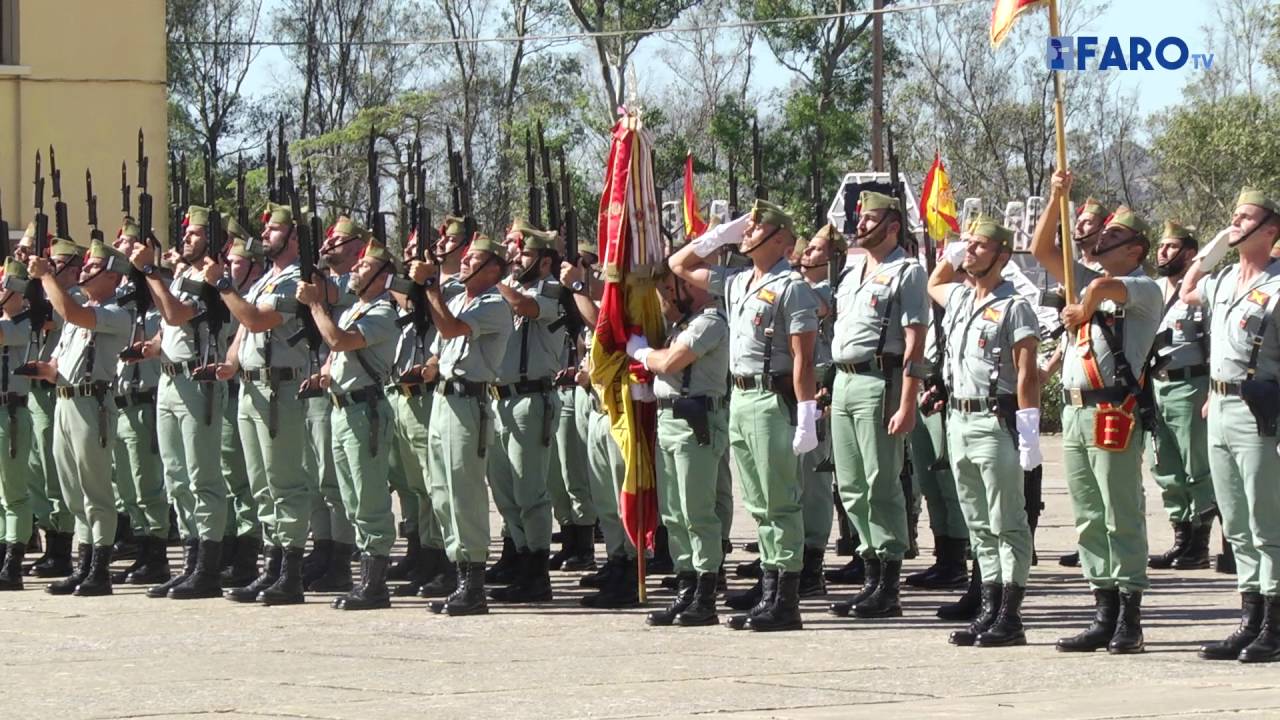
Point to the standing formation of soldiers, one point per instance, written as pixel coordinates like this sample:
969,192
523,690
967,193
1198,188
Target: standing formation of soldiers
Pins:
447,375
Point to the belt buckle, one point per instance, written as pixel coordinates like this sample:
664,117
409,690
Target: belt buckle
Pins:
1077,396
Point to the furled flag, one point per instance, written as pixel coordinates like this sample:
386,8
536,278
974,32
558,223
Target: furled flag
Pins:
937,204
1003,15
694,225
632,248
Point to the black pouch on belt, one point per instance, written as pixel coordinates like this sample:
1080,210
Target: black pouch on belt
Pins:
694,412
1263,399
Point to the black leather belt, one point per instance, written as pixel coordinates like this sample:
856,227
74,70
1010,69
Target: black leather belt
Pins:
523,387
183,368
464,388
1225,388
772,383
1088,398
12,399
140,397
412,390
366,394
271,375
92,389
711,403
1185,373
969,405
884,363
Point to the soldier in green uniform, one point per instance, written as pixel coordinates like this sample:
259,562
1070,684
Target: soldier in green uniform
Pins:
245,263
1244,403
52,512
272,419
362,345
15,430
473,327
83,366
773,325
1110,330
526,408
881,312
693,434
139,474
992,339
1178,455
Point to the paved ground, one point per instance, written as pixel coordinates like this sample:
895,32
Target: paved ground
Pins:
130,657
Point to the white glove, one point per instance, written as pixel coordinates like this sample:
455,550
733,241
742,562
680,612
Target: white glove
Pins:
1213,251
636,343
806,437
729,233
1028,421
953,252
642,357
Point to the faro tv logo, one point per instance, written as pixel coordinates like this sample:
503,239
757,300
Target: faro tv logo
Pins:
1088,52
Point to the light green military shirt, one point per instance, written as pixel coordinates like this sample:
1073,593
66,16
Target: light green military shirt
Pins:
982,333
145,374
182,343
54,334
1186,327
865,297
707,335
85,355
1142,312
1235,316
533,339
278,291
476,357
376,322
777,303
16,335
408,340
826,326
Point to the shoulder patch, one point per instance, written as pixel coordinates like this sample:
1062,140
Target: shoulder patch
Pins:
767,296
1259,298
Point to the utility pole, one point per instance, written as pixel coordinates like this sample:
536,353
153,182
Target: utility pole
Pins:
877,88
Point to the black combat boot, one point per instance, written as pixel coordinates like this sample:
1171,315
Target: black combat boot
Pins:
205,581
686,582
749,570
272,558
622,590
1196,556
1265,647
1181,540
56,561
967,606
1007,630
1127,639
505,592
871,580
287,589
948,571
1099,633
406,564
884,601
337,577
584,550
534,583
1252,610
506,570
445,580
853,572
190,549
67,585
317,562
768,594
230,548
1071,559
153,567
142,552
812,583
372,593
702,607
784,613
598,579
98,582
469,598
426,565
568,542
991,597
11,569
245,566
745,599
125,545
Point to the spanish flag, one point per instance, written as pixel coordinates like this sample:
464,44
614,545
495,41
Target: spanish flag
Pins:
694,225
937,204
1005,12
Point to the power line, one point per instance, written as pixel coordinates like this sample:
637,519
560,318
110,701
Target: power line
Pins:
737,24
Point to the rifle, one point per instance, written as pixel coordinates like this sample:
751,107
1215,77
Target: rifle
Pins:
38,310
125,209
757,163
553,198
667,235
271,173
419,315
92,200
307,267
734,213
314,223
215,314
242,209
530,176
136,293
459,189
4,233
62,226
571,319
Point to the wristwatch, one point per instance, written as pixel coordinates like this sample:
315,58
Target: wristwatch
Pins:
223,284
578,287
148,269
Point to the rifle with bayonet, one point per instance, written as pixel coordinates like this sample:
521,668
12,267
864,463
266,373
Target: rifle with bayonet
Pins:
214,314
757,163
307,273
242,207
95,233
459,189
531,179
126,202
62,226
38,310
419,315
136,292
4,232
549,184
572,319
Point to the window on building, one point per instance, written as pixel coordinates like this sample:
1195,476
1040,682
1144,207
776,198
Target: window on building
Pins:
8,32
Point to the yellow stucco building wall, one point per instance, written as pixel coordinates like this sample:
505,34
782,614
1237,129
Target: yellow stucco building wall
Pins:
83,76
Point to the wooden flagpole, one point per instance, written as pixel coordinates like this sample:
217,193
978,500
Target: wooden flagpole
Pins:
1060,123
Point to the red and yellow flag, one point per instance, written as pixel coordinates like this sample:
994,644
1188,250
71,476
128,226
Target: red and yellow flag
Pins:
937,204
694,225
1003,15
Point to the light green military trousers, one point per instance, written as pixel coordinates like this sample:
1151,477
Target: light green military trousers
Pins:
688,490
15,474
83,464
518,466
1179,453
50,509
868,464
361,452
988,478
760,434
934,481
139,472
1246,482
277,472
192,461
568,483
